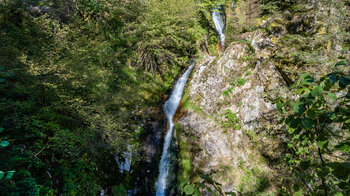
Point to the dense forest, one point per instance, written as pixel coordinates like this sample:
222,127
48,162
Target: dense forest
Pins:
83,83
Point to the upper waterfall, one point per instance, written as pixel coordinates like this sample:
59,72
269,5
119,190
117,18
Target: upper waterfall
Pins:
219,23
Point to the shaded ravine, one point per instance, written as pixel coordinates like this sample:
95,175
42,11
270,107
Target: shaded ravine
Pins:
170,108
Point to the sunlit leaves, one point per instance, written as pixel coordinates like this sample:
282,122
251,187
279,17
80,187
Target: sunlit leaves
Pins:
315,119
317,91
306,79
4,143
322,144
299,193
307,123
189,189
279,107
332,96
8,175
340,63
298,107
311,113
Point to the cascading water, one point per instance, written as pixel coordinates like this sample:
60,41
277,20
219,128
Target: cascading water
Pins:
170,108
219,23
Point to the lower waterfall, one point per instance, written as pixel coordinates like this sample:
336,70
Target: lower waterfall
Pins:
170,108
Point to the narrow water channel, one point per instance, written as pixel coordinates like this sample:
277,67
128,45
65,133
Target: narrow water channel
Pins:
170,108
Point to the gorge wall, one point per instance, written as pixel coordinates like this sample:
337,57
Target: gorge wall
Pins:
228,127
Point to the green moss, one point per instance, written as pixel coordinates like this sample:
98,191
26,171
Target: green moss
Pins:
248,73
230,121
253,182
239,104
185,165
187,104
241,82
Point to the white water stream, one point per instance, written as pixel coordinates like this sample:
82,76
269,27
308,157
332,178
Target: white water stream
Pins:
219,24
170,108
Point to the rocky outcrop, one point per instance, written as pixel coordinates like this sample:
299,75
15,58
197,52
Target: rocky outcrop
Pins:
228,117
232,84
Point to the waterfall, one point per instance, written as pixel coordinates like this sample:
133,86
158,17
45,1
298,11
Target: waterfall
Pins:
219,24
126,164
170,108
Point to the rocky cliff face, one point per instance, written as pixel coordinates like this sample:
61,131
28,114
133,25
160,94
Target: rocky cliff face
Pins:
228,106
224,100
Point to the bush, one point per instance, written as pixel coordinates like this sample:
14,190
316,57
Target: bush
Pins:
165,34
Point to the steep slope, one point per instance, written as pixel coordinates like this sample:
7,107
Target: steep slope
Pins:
228,127
224,101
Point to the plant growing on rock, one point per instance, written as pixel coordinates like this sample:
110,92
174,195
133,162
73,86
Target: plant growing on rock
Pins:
318,140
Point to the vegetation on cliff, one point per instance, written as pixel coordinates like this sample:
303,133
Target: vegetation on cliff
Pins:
81,79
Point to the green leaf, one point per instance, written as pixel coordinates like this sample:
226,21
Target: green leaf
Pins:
332,96
9,74
342,147
340,63
4,143
339,194
205,177
230,193
196,193
304,75
305,164
332,78
291,130
327,84
293,86
317,91
299,193
311,113
344,81
9,174
307,80
189,189
322,144
1,129
340,170
120,190
279,107
297,107
2,80
307,123
2,174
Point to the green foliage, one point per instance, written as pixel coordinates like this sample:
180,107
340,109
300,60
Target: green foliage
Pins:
235,82
206,183
189,189
165,34
230,121
229,91
210,4
248,73
120,190
270,7
254,181
241,82
318,133
66,94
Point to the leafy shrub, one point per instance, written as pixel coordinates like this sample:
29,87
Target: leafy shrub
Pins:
165,34
318,124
